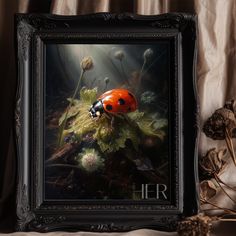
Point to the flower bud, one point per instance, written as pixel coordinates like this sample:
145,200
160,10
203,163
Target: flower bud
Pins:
87,63
106,80
119,55
147,54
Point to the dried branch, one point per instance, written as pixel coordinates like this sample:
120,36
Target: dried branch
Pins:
63,152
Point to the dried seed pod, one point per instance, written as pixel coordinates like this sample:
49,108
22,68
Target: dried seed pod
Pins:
222,125
196,225
231,105
212,162
217,124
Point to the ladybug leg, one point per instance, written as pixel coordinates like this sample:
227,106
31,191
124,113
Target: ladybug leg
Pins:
107,116
112,123
96,119
112,118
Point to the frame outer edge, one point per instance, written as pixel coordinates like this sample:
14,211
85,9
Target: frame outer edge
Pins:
28,24
23,33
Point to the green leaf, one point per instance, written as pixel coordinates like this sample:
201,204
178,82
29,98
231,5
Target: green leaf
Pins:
73,111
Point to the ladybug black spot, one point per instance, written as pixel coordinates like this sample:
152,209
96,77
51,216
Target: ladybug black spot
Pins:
121,101
109,107
129,109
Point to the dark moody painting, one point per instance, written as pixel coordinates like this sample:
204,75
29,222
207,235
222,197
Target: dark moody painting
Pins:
106,124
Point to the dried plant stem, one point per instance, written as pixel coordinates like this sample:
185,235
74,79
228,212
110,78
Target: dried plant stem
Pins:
123,72
154,61
162,166
61,153
92,83
105,89
140,75
116,67
230,146
109,57
234,201
62,126
230,219
216,206
142,69
55,183
63,165
222,182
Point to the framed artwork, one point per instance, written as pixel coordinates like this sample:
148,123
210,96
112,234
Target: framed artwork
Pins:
106,118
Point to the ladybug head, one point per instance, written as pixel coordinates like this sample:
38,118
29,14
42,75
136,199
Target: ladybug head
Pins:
96,109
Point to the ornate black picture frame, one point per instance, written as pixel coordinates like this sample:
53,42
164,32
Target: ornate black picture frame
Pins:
36,209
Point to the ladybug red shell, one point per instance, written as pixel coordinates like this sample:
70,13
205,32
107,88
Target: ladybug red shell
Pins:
115,101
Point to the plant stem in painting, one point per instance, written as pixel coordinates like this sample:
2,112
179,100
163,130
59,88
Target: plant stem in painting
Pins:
86,64
119,55
148,53
62,127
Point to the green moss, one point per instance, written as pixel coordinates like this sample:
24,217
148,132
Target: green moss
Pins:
88,95
110,139
148,125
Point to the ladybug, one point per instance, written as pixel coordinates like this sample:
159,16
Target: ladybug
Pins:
115,101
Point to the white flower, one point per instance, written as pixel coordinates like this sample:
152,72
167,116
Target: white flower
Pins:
90,160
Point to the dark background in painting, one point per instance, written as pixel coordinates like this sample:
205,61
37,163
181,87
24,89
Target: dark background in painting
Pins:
61,80
62,73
